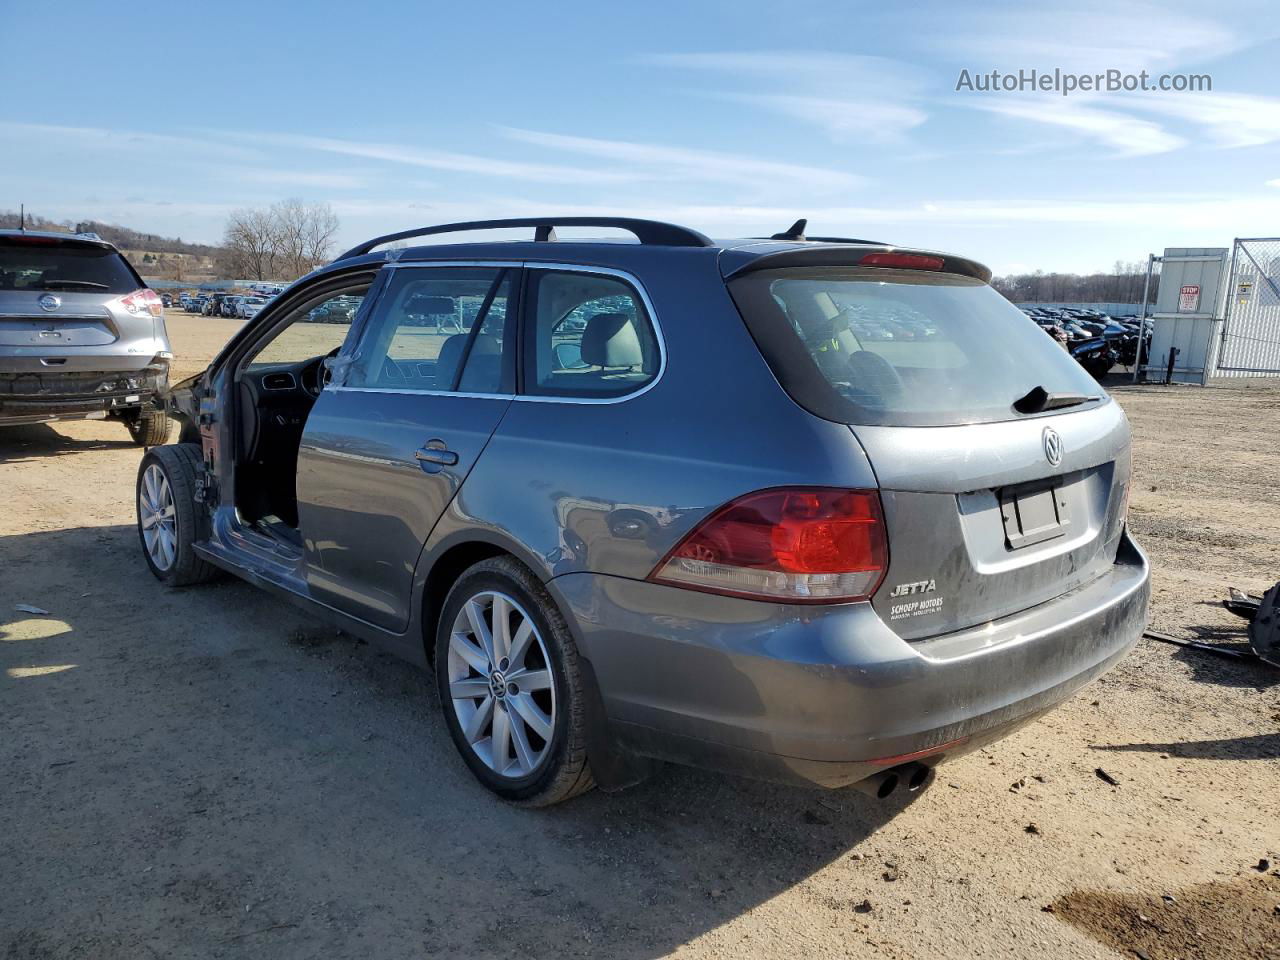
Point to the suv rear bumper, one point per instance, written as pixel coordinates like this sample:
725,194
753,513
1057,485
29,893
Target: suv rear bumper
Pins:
36,395
817,694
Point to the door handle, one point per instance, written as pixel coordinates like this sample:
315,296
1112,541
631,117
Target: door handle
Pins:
433,455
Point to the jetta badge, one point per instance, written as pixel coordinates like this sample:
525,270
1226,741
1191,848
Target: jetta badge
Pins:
1052,446
49,302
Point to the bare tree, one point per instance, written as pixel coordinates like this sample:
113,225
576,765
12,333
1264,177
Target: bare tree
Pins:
281,243
304,234
250,242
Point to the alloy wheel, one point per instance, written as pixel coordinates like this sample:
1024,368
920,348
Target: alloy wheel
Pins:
500,684
158,517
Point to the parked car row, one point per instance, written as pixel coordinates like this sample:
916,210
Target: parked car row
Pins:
243,307
337,310
1097,340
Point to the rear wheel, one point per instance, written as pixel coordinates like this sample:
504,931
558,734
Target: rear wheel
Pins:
167,515
149,428
510,688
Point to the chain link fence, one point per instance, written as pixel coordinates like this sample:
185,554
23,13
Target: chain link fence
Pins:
1251,330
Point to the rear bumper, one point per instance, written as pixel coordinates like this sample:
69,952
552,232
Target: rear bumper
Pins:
815,695
36,395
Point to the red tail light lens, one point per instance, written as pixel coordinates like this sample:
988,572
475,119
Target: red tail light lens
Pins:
800,545
141,302
906,261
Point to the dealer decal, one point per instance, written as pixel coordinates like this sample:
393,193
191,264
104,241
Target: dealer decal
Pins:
915,608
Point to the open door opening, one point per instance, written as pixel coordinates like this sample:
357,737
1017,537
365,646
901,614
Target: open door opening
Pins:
276,386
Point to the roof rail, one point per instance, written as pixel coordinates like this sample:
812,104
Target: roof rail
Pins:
646,231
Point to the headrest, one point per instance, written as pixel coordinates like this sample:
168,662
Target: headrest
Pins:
874,381
451,354
610,340
486,343
448,360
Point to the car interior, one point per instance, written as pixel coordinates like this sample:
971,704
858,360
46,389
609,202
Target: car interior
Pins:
588,338
587,343
277,384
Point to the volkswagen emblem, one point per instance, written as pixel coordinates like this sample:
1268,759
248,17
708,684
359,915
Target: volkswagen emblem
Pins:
1052,446
49,302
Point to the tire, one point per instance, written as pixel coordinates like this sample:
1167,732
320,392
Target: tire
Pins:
172,558
149,428
522,772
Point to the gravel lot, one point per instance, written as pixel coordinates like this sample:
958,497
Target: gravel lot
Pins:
210,773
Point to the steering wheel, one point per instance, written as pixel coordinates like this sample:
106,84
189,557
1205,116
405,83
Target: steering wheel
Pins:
315,374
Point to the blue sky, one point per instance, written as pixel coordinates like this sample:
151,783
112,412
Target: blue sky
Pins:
734,118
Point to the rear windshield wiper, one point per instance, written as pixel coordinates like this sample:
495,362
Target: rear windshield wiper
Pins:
64,284
1038,400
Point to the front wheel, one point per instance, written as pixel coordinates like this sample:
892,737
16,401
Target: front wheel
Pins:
510,688
167,515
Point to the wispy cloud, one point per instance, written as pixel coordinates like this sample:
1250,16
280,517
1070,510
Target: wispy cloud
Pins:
658,162
841,120
1127,134
811,68
1086,38
441,159
1228,119
847,96
98,138
322,179
1096,37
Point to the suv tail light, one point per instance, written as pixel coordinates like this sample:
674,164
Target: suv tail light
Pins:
140,303
795,544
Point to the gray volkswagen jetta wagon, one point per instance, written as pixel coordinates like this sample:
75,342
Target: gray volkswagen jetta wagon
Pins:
824,511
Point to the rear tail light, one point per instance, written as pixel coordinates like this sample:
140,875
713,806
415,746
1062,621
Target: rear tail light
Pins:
906,261
141,303
796,544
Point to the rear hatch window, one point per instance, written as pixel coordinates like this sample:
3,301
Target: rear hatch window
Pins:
42,263
878,346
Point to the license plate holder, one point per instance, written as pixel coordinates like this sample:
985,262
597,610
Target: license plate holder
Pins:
1033,513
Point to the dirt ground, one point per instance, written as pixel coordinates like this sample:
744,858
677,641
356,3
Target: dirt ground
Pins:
210,773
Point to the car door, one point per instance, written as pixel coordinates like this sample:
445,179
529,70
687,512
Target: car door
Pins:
412,405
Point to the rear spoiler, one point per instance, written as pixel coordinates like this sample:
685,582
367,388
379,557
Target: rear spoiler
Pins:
844,255
34,239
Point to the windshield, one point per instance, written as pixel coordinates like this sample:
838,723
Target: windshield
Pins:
30,265
901,347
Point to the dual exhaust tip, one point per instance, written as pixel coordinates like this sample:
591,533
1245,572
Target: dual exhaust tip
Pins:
911,777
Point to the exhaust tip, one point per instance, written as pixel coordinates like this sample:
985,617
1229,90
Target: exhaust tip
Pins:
888,784
919,777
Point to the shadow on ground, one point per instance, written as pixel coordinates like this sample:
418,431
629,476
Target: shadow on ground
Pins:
209,773
1264,746
39,441
1208,667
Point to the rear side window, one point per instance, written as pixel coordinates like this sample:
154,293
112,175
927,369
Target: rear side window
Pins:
901,347
37,264
437,329
590,337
